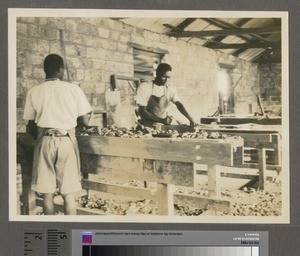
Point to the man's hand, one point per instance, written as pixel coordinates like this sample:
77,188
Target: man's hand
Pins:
168,120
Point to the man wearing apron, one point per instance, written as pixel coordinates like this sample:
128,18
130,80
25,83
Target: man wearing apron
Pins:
56,107
153,99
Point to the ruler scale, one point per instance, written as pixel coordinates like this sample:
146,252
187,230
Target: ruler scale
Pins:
57,243
47,242
34,243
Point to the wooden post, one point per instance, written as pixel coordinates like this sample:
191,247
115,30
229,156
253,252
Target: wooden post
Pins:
165,199
277,141
213,175
28,195
262,167
86,177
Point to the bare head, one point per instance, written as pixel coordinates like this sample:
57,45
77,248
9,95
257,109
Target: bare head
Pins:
54,66
163,74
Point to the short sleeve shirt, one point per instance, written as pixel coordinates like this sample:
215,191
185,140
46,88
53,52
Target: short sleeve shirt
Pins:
145,90
56,104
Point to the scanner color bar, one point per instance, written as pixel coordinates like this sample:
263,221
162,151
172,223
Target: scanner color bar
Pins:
96,250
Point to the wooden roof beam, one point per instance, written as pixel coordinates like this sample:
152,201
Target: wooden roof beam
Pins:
224,25
185,23
246,45
226,32
239,23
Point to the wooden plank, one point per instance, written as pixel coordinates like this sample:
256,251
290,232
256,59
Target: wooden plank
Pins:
165,199
202,202
143,193
262,167
244,120
181,150
255,166
245,45
251,139
88,211
243,172
225,32
124,168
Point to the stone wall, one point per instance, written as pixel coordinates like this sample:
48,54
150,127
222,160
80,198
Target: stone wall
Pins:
270,84
96,48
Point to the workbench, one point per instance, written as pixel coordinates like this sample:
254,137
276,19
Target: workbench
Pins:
255,137
166,161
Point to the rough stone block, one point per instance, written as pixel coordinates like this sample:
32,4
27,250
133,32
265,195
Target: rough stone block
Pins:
33,30
79,75
87,29
88,40
71,25
70,49
74,62
101,54
98,64
128,58
55,47
114,35
104,33
59,23
21,28
50,33
113,56
39,73
125,38
138,40
91,52
80,51
86,63
26,44
26,20
122,47
43,46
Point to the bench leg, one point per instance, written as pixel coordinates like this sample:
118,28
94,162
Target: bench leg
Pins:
214,180
165,198
262,168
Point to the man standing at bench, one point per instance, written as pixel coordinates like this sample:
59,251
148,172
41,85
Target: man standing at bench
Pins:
56,108
154,98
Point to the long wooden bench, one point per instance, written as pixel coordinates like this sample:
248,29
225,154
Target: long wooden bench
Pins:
168,162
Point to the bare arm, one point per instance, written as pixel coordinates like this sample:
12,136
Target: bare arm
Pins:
83,120
147,115
183,111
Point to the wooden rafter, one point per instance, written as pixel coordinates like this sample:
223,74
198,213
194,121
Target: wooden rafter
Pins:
246,45
185,23
227,32
224,25
240,23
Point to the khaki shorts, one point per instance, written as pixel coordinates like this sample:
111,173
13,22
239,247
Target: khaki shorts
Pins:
55,166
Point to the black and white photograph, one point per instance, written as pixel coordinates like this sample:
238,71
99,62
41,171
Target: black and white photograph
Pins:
148,116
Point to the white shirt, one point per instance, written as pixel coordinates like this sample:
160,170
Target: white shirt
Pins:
56,104
145,90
